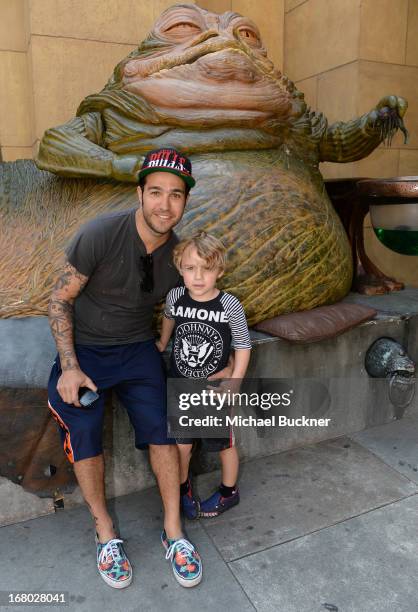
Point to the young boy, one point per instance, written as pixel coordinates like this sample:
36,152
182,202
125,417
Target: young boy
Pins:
207,323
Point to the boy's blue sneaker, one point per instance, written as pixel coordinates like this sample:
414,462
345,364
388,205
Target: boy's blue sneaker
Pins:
185,560
216,504
189,505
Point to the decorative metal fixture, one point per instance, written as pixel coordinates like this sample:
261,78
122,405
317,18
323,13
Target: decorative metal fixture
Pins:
386,358
393,206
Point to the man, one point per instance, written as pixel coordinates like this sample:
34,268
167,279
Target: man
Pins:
118,267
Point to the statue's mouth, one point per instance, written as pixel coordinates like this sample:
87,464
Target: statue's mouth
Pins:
225,79
231,66
158,61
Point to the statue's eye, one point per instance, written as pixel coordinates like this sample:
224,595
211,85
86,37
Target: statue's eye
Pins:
183,29
250,36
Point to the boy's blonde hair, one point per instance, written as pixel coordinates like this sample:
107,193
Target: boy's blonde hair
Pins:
208,247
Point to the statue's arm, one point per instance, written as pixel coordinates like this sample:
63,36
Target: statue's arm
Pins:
76,149
353,140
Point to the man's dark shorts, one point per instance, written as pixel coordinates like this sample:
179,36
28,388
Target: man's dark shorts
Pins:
136,374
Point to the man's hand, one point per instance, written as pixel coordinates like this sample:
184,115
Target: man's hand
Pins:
230,385
160,346
226,372
226,375
69,384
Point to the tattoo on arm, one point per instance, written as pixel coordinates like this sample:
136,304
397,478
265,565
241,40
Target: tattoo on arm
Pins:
68,276
60,314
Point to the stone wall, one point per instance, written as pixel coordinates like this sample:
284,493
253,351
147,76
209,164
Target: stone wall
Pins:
54,52
329,382
16,117
345,55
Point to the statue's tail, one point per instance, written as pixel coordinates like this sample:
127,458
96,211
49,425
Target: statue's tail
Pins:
39,213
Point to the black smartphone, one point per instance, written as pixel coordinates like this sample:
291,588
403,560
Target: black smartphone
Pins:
87,397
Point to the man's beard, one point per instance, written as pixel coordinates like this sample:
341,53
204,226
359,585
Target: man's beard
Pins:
150,223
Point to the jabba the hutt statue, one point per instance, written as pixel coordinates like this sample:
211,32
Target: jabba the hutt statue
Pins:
203,83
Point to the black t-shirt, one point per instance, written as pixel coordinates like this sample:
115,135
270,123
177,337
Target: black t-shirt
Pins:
112,309
204,332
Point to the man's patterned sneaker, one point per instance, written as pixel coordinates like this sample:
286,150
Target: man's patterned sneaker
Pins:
185,560
113,564
189,505
216,504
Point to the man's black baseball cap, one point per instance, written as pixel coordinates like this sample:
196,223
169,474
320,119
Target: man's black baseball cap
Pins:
168,160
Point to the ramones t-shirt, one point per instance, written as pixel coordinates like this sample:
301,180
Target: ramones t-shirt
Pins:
204,332
112,309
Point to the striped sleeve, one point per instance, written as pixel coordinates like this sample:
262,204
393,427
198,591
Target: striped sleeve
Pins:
172,297
237,322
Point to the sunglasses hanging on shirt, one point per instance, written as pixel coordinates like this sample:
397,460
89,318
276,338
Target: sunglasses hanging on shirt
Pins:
147,282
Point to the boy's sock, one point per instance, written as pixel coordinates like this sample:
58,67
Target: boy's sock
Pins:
185,487
227,491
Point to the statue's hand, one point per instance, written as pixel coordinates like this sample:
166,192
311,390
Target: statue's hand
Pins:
387,117
400,105
125,168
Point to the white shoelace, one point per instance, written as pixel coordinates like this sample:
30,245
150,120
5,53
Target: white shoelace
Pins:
111,549
184,547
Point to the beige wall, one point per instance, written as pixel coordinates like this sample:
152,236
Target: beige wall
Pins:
54,52
16,120
345,55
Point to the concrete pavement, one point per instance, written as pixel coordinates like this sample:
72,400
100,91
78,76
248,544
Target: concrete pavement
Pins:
330,526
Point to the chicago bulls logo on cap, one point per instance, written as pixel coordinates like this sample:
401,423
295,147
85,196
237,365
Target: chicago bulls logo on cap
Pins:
168,160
